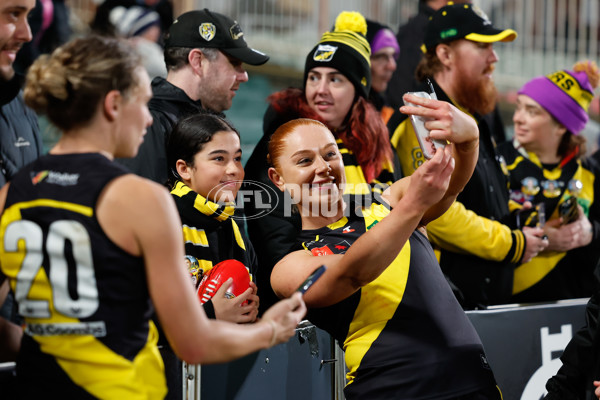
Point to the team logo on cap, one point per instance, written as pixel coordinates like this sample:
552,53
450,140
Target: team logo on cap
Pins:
236,31
482,15
207,31
324,53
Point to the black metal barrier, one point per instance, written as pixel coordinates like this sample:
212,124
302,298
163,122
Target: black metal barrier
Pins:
306,367
523,346
522,343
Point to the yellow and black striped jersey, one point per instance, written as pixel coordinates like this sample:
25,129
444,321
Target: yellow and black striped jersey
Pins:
84,300
404,321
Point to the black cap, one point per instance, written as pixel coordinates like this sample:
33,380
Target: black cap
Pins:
210,29
463,21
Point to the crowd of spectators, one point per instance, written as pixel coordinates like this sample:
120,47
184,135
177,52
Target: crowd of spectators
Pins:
492,221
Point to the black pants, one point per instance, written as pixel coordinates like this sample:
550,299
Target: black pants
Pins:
483,394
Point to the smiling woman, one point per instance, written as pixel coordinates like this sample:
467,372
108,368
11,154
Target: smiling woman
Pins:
383,297
545,168
92,251
337,79
204,158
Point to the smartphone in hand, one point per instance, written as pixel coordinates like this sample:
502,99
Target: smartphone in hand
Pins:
533,217
312,278
568,210
428,145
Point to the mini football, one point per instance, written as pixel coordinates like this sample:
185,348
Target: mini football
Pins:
212,281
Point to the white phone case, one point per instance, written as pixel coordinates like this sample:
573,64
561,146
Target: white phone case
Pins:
428,145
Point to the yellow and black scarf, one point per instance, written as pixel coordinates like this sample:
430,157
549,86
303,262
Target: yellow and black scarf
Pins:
210,231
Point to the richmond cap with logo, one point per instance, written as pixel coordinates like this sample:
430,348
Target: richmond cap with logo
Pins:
204,28
463,21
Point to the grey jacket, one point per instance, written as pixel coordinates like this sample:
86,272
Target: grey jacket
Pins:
20,138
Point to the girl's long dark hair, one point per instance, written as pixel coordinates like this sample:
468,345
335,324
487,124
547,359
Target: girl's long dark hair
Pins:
189,136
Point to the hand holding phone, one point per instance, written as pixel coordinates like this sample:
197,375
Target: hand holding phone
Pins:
568,210
428,145
312,278
533,217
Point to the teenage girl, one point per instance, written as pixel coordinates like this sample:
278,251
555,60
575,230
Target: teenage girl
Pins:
204,156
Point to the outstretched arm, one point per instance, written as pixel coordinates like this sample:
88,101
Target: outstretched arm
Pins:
370,254
123,212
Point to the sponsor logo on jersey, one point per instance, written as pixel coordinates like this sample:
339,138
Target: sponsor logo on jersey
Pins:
38,177
55,178
96,329
322,251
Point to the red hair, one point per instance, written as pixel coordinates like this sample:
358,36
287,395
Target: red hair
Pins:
365,134
276,142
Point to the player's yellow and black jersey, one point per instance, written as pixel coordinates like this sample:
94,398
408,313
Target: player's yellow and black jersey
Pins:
84,300
404,334
275,232
554,275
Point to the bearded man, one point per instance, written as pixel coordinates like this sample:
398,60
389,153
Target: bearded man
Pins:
478,252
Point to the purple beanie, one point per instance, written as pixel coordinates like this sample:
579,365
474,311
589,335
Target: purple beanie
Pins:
380,36
566,95
385,38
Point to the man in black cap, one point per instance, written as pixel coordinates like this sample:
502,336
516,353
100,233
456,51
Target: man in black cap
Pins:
204,55
478,251
410,37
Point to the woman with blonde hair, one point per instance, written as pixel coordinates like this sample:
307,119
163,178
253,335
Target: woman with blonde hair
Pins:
91,250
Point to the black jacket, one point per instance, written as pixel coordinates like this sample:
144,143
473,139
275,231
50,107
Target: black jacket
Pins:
580,359
410,38
20,138
168,105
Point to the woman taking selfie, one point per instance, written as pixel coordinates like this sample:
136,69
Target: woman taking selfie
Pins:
383,297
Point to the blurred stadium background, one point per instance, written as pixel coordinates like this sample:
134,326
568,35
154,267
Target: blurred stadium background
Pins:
553,34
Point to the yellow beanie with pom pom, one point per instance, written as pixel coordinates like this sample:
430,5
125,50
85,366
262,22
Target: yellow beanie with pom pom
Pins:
345,49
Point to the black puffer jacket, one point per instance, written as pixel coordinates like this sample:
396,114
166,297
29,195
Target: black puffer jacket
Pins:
20,138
